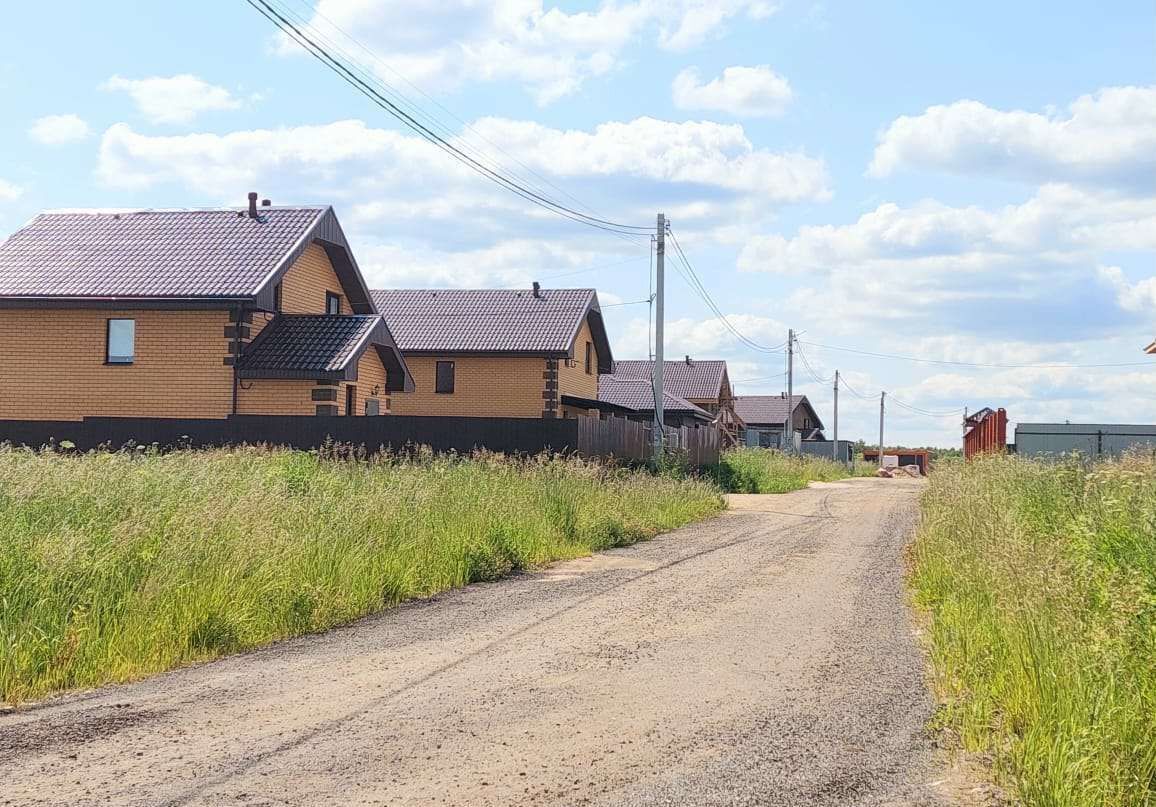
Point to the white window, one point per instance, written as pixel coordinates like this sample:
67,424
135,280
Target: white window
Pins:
120,347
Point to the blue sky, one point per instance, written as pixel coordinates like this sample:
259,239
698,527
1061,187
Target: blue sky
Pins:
971,183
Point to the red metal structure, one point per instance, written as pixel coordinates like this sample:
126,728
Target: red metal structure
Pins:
985,432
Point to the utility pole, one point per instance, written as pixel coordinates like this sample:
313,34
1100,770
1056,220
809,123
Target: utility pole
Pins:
789,423
882,397
660,259
835,442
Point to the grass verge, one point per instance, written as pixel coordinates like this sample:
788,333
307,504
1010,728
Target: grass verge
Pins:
761,470
114,565
1040,586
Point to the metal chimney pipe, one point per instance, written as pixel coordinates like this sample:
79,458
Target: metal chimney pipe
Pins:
537,289
252,204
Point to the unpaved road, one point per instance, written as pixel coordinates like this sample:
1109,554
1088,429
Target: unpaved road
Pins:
761,658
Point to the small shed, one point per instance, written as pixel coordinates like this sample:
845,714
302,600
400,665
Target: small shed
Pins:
905,456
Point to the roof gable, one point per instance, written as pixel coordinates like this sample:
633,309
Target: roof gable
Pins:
698,380
638,394
512,321
771,410
170,255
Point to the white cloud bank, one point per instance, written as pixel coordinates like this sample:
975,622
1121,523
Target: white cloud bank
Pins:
740,91
549,50
349,152
1139,297
1107,138
57,129
173,99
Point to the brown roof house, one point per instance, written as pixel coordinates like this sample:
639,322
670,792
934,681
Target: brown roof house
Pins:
704,383
527,353
765,417
190,314
633,398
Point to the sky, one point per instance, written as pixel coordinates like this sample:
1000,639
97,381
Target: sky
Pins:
969,183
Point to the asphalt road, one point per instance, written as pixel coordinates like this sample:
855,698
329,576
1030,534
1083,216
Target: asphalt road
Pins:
765,657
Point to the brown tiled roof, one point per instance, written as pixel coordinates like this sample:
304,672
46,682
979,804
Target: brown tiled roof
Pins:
638,394
698,380
319,346
492,320
760,410
153,253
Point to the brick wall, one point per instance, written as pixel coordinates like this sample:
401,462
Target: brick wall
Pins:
304,285
52,365
370,374
485,386
572,376
276,396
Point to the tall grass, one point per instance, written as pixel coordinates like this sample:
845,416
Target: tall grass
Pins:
114,565
761,470
1040,582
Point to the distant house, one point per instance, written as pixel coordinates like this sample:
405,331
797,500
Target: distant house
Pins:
527,353
704,383
766,416
190,313
635,398
1151,348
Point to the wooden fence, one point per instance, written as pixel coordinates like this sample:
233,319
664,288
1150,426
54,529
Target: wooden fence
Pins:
631,441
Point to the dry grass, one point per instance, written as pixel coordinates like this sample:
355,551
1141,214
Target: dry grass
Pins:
1040,584
114,566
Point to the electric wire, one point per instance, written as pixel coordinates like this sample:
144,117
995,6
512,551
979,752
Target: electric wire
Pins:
692,279
290,29
318,14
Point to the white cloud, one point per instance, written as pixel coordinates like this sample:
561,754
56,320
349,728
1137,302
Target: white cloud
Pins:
1107,138
694,152
395,174
1139,297
549,50
1059,222
9,191
740,91
55,129
700,338
173,99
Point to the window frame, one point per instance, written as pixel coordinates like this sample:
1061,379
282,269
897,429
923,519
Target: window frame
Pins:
332,297
119,361
278,293
438,387
589,358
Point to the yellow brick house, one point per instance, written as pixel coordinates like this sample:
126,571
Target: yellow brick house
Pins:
190,314
525,353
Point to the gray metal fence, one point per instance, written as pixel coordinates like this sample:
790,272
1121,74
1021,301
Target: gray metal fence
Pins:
1092,440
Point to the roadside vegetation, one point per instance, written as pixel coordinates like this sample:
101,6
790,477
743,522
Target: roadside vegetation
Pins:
117,565
1040,585
760,470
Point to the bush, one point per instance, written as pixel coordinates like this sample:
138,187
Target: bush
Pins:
1040,586
117,565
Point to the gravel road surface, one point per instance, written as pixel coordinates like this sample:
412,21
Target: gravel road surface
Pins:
764,657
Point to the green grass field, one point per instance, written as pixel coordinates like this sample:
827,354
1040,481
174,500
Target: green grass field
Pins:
114,566
759,470
1040,586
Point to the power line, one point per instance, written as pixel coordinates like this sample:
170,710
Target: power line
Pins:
318,14
349,76
899,357
692,279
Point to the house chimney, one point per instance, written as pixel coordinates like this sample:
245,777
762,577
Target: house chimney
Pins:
689,363
252,204
265,203
537,289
